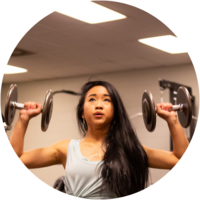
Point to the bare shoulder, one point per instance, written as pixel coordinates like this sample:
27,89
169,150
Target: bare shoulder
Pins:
146,148
61,148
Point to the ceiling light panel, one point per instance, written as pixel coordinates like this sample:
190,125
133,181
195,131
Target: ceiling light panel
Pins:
167,43
13,70
89,12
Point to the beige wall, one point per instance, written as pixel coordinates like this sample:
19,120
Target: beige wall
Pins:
130,85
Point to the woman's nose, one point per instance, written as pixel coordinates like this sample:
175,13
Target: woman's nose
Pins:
99,105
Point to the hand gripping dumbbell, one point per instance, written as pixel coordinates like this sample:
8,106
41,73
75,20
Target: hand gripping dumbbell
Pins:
12,104
184,108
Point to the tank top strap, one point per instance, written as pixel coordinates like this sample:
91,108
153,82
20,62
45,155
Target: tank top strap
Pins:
73,147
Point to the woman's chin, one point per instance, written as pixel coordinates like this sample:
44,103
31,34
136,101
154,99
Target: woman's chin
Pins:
101,124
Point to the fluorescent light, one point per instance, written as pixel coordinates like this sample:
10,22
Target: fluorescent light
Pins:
89,12
13,70
167,43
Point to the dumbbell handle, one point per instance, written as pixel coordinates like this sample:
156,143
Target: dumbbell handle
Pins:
19,106
175,108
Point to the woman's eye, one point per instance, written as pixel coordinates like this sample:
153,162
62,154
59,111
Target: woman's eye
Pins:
92,99
107,100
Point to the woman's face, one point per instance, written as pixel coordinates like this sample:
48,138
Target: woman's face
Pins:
98,108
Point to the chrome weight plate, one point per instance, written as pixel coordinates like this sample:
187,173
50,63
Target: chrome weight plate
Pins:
11,96
47,110
183,97
148,110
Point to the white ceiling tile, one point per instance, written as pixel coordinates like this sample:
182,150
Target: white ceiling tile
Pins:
34,62
57,20
118,51
132,29
136,13
29,76
140,50
122,8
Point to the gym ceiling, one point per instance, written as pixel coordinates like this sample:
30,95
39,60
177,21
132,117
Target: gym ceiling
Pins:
59,46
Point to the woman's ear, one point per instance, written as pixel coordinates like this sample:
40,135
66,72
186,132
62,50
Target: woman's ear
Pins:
83,116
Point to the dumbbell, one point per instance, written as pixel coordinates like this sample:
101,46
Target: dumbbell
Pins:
184,108
6,127
12,104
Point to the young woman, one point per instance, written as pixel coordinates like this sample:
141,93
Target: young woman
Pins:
109,161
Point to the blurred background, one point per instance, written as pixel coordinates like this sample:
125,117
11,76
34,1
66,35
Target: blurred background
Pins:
62,53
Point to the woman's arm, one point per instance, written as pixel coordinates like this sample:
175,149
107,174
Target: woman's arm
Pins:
163,159
18,134
54,154
180,141
160,159
47,156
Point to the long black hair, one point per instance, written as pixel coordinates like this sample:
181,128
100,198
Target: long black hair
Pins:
125,163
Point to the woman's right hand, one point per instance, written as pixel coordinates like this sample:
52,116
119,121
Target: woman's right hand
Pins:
32,109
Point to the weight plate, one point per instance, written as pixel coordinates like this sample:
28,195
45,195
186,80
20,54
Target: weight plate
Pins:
47,110
12,96
183,97
148,110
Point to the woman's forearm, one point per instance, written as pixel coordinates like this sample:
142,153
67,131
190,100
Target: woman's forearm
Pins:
17,137
180,141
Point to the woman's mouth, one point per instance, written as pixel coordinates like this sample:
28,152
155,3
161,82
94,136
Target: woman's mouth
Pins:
98,114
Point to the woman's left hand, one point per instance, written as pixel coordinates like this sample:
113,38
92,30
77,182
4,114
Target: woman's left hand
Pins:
163,110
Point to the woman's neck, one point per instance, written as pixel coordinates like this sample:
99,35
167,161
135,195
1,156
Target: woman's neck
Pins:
96,134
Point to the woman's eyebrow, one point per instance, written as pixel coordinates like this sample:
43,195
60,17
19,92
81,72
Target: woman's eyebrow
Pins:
92,95
96,95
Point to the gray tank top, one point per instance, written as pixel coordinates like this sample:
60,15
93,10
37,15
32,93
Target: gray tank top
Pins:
82,177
